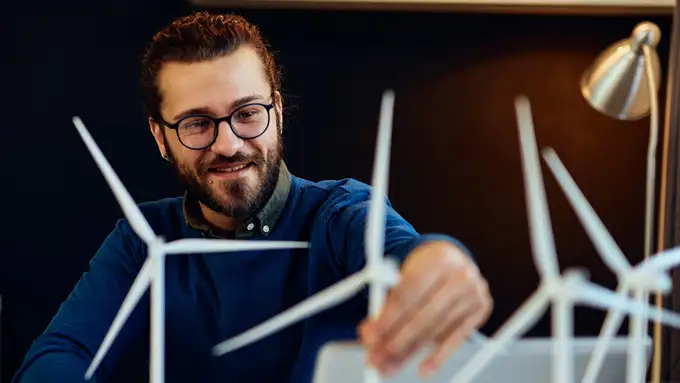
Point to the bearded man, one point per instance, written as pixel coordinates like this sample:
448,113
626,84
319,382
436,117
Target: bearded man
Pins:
212,95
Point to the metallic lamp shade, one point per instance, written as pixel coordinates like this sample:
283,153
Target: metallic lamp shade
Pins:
616,84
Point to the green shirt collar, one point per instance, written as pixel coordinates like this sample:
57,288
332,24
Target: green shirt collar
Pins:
260,225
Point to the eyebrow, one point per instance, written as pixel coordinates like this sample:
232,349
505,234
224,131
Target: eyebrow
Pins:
235,104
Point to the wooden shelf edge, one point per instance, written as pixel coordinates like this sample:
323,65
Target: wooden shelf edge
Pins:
584,7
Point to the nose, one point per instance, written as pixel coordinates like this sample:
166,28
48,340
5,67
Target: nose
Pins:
226,143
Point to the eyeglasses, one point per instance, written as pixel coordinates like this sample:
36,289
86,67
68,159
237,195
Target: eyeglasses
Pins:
200,131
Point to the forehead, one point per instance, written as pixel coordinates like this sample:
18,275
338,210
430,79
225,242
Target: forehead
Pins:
212,84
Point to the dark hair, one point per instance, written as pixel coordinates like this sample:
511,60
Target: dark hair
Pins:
198,37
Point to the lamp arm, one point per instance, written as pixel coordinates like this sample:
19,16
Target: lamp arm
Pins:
650,193
651,152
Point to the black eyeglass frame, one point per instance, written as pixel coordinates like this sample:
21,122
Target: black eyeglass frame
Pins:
217,121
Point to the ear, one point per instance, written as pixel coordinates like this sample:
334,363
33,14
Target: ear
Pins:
278,105
157,132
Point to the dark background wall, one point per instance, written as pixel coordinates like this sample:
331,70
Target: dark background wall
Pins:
455,168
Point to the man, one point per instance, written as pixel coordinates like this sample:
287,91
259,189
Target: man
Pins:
212,95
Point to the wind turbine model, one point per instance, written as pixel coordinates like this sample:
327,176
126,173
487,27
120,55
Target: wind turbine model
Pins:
380,272
153,270
562,291
641,280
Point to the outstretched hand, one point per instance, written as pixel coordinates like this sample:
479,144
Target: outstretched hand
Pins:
441,299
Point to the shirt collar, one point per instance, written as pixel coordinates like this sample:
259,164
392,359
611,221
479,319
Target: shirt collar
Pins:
261,224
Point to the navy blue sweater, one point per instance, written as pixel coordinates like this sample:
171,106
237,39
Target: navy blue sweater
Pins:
211,297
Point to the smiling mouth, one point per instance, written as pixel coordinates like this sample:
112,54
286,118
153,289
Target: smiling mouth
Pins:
230,169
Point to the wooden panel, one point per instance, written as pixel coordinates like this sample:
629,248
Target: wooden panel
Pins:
670,237
524,6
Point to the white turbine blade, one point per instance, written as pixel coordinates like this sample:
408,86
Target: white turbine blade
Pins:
375,227
196,245
611,325
665,260
127,204
157,364
599,297
136,292
542,240
526,316
603,241
320,301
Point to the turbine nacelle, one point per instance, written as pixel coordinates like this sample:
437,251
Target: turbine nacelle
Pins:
386,272
648,279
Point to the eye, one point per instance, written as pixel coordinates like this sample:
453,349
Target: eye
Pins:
247,113
199,123
196,125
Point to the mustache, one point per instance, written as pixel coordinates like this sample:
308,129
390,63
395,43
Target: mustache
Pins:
220,160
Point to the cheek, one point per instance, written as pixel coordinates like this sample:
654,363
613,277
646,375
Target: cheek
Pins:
262,147
186,158
267,143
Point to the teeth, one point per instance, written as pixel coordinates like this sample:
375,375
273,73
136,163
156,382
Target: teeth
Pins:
231,169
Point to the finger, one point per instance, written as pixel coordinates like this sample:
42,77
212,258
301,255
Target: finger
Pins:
452,321
389,367
384,348
477,298
400,302
461,325
434,361
377,353
365,332
422,323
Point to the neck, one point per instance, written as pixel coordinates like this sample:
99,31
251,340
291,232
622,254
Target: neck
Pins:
220,223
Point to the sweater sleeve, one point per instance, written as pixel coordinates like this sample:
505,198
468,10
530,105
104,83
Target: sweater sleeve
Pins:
63,352
347,230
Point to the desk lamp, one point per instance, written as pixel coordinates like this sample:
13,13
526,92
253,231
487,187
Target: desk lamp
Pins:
623,83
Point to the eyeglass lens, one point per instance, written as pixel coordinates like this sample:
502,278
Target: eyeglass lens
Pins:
247,121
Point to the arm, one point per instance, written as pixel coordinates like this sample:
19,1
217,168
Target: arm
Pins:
63,352
440,298
349,217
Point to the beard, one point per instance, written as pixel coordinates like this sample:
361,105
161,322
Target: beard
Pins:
236,199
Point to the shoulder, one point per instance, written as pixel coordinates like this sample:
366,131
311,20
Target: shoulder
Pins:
334,189
162,215
336,198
